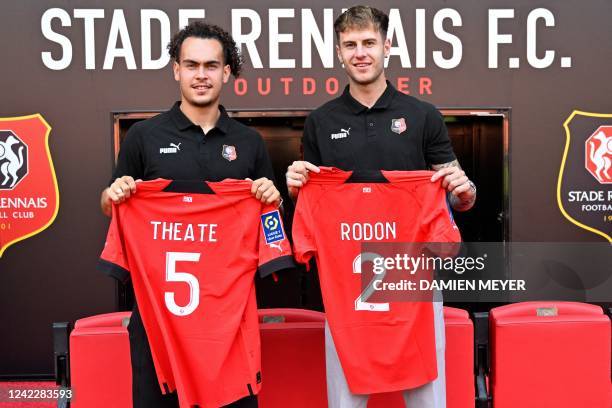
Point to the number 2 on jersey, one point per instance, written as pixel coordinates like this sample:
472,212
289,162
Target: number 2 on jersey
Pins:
173,276
367,292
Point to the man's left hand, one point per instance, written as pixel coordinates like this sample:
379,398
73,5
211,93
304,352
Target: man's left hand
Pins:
458,185
264,190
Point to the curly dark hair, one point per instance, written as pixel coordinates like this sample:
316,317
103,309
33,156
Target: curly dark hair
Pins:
199,29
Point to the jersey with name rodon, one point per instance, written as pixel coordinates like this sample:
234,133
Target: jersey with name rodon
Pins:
192,250
382,347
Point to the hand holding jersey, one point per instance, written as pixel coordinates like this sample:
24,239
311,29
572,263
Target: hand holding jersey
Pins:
265,191
123,187
120,190
297,176
453,178
462,191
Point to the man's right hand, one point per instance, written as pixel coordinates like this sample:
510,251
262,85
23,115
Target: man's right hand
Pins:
121,189
297,176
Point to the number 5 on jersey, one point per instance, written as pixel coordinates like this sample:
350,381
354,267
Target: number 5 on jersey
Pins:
173,276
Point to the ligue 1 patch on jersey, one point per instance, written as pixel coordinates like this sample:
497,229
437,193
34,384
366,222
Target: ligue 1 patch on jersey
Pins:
273,230
398,125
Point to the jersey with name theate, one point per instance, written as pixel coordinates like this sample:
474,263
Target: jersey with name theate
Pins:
192,250
382,346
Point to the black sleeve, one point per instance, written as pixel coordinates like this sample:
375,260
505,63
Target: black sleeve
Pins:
114,271
309,142
276,265
263,164
438,148
131,156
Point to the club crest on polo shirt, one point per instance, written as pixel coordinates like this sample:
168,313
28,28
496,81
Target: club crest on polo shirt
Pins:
343,133
398,125
172,149
229,153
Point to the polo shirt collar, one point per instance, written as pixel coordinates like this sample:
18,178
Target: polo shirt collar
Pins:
223,122
383,102
182,122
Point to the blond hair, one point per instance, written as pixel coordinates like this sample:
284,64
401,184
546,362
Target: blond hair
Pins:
362,17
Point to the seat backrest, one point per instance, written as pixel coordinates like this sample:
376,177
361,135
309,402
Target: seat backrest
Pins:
451,313
531,309
288,315
104,320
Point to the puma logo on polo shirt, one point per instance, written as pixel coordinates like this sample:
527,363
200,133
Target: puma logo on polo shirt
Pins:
342,134
174,148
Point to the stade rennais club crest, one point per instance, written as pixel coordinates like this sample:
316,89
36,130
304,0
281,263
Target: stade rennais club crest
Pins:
584,188
29,197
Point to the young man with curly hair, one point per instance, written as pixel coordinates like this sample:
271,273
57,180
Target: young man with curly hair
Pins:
194,140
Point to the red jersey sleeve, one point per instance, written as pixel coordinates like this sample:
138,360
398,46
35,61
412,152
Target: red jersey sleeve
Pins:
113,260
443,227
274,248
443,234
304,246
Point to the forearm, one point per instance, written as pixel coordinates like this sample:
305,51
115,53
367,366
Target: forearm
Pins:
105,203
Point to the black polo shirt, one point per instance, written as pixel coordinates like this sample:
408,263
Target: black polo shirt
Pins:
170,146
399,132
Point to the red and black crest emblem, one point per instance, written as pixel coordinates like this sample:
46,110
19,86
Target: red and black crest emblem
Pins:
229,153
584,189
29,197
398,125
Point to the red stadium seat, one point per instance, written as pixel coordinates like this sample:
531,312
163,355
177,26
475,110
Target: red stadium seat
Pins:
292,359
459,358
550,354
459,365
101,374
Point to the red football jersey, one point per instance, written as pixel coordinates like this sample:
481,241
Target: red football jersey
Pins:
382,346
192,250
